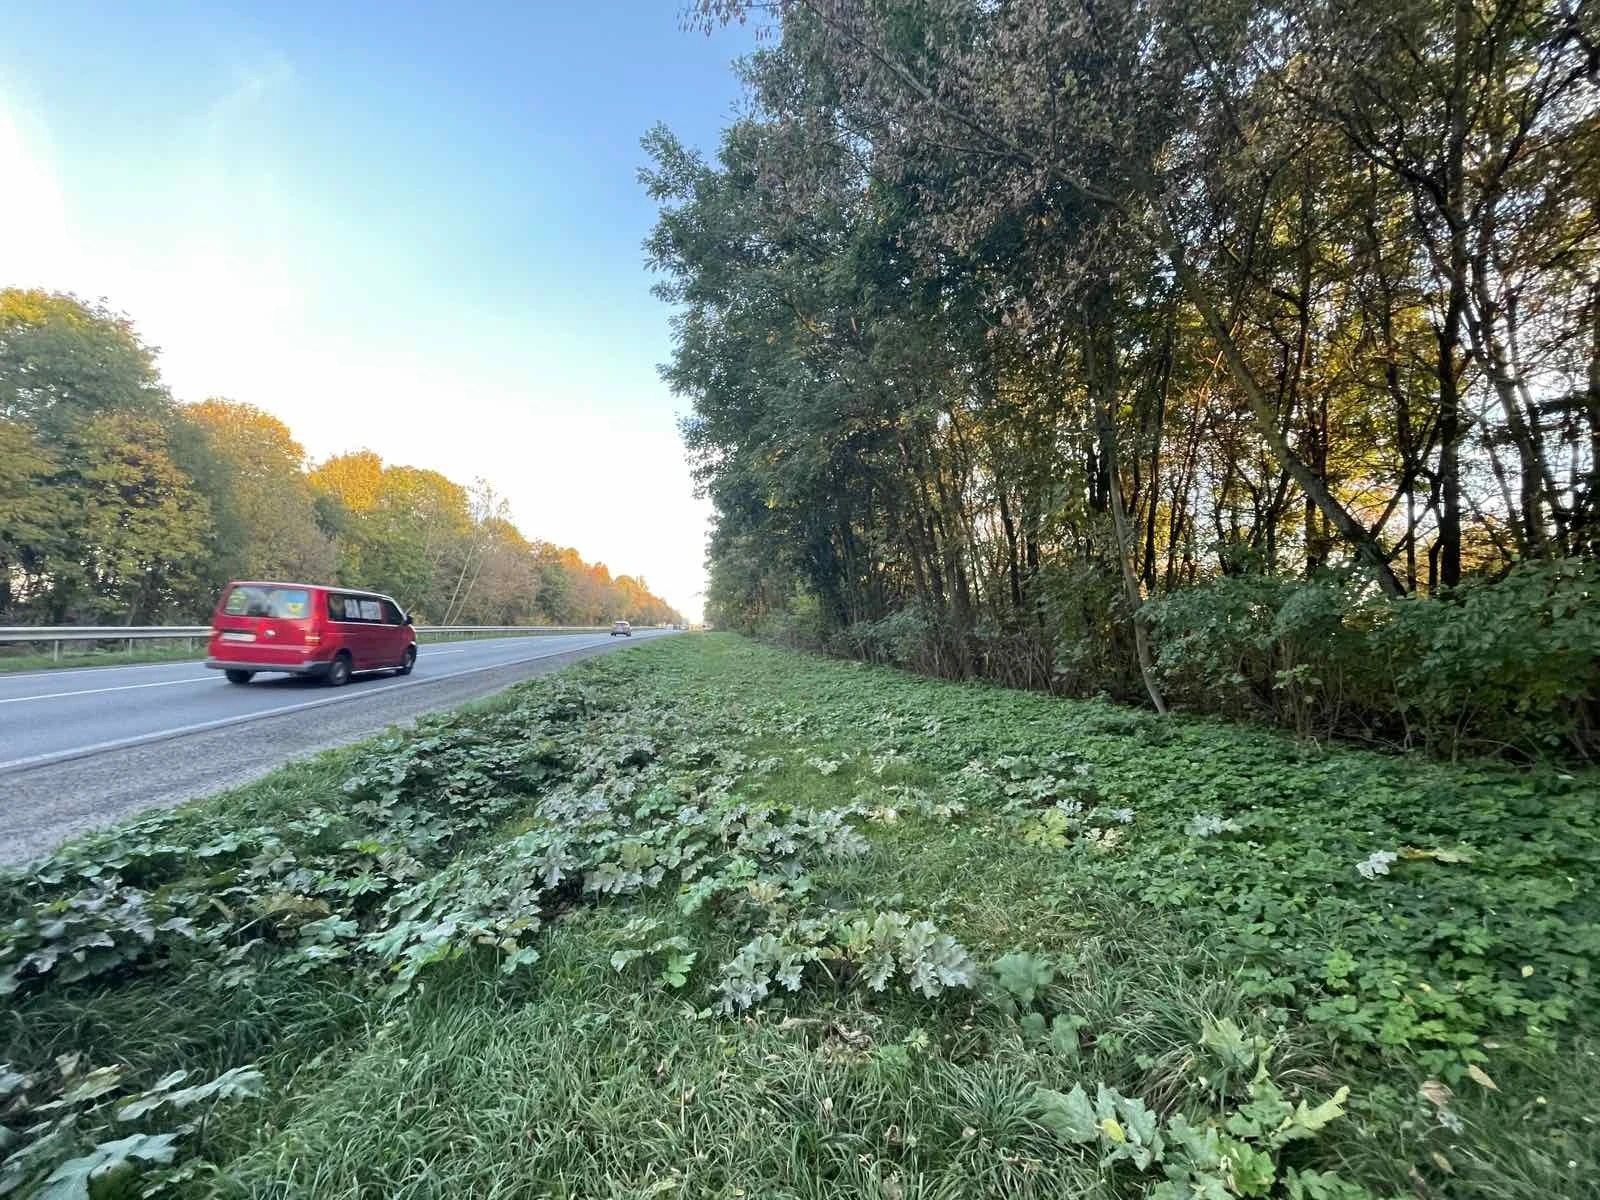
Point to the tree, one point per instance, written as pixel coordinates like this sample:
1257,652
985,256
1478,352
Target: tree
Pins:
508,587
490,517
140,528
64,361
269,495
118,505
34,518
1483,116
355,480
396,526
129,534
1003,322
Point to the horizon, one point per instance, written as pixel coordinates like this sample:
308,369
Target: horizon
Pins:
282,205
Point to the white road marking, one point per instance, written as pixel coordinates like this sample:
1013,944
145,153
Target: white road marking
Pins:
428,647
122,687
39,760
74,672
207,678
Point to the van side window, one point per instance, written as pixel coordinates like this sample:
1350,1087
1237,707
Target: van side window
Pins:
391,613
350,608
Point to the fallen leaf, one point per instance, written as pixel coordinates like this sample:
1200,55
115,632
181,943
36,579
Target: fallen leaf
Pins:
1436,1093
1481,1077
1452,854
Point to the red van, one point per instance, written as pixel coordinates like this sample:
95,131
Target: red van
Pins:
308,629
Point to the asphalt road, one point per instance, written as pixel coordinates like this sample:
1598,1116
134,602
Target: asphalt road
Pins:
84,747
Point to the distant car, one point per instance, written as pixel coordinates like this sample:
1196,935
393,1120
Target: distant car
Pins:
621,629
330,633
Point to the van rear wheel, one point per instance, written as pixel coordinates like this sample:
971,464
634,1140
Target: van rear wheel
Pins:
239,676
338,671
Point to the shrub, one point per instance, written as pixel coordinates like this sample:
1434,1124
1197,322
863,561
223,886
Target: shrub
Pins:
1508,665
906,638
1512,665
798,624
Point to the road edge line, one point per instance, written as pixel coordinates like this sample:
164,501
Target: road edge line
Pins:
144,739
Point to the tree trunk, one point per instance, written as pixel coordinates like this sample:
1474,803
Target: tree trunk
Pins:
1363,542
1100,363
1586,506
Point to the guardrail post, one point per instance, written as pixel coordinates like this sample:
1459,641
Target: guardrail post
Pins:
55,650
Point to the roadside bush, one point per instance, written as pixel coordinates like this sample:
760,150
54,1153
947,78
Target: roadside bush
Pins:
906,638
1291,652
1506,667
799,624
1513,665
1084,609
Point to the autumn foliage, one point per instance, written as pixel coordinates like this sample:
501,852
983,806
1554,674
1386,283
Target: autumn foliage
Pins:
118,505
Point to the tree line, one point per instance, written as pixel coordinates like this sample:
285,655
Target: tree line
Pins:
119,505
1238,355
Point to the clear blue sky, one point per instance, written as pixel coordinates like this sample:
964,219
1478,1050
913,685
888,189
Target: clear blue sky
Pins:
414,228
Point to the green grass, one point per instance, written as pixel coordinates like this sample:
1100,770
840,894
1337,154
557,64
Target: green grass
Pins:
570,1078
145,652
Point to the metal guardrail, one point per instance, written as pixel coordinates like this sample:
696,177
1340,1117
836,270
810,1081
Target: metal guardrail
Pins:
57,634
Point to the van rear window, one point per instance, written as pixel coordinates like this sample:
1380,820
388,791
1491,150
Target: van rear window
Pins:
286,604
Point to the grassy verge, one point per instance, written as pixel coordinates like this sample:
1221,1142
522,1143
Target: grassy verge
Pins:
708,919
144,653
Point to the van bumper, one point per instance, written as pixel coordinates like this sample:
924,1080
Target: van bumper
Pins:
305,668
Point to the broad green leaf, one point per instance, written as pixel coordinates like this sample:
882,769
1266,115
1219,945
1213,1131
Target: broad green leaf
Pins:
1228,1042
676,971
623,959
239,1083
1068,1115
1308,1122
11,1081
1064,1036
1139,1122
93,1085
1250,1171
1023,976
71,1180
